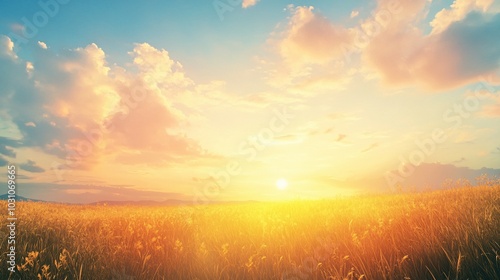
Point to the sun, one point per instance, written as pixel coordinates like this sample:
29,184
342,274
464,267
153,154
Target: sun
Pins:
281,184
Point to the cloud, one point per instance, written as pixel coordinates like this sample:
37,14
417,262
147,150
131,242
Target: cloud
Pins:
64,94
31,166
354,14
3,162
317,54
371,147
465,45
312,39
400,13
9,142
309,51
375,135
492,111
264,99
289,139
7,48
42,45
17,27
73,105
158,70
343,117
466,51
248,3
7,151
462,159
147,129
340,137
458,10
7,147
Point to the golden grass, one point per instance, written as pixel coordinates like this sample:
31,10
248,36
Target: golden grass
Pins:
453,234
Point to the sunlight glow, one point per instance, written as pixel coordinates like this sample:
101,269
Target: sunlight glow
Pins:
281,184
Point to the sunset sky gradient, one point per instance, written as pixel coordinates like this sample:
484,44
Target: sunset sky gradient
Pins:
212,100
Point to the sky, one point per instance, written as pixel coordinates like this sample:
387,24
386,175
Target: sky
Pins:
210,101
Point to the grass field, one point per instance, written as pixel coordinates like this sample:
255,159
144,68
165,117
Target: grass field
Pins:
452,234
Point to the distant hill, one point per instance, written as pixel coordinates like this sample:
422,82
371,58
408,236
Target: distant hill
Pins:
18,198
142,202
170,202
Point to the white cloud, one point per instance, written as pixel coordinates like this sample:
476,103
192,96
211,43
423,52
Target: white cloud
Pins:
312,38
42,45
73,104
466,51
248,3
458,10
7,47
18,28
311,51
